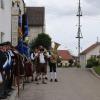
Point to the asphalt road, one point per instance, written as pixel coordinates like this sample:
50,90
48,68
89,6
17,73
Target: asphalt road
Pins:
74,84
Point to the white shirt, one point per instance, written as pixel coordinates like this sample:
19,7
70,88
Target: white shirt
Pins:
11,53
33,56
41,57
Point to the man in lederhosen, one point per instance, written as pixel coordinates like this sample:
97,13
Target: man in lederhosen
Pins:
34,56
52,65
42,63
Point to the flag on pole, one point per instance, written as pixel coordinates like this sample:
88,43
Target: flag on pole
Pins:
25,25
25,29
23,47
20,45
20,33
26,49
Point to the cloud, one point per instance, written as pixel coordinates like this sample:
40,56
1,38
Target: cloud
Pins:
67,7
94,3
61,21
91,7
56,7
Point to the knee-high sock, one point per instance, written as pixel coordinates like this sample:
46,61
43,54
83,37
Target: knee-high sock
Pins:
46,76
51,75
55,75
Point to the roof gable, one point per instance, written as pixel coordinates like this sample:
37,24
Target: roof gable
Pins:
90,48
65,54
36,16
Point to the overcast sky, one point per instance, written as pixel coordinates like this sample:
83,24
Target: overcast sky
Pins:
61,21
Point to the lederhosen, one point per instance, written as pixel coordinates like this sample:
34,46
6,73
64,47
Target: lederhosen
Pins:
52,65
28,68
33,63
15,65
42,67
18,67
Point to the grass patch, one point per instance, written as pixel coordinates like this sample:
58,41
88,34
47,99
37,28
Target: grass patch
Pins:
97,70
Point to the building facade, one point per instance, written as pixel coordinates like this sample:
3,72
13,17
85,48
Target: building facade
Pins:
93,50
65,57
36,21
5,20
9,12
18,8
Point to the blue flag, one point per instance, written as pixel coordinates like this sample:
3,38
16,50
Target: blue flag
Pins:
20,33
25,27
20,45
26,50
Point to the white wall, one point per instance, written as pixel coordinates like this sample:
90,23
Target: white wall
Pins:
34,31
84,58
5,20
95,51
64,62
15,14
22,6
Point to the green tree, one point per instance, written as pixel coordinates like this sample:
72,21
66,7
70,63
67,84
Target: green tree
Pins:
42,39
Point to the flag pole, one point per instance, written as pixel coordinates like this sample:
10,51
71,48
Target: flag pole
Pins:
18,55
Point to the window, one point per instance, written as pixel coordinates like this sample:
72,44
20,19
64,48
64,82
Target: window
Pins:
2,4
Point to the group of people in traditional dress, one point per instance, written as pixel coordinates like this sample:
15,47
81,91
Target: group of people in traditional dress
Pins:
43,58
6,69
13,65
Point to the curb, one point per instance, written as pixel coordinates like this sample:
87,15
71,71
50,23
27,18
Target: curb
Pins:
94,73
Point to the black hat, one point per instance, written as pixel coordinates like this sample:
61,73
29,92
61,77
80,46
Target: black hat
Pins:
5,43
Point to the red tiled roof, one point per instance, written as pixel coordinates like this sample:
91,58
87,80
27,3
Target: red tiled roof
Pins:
90,48
65,54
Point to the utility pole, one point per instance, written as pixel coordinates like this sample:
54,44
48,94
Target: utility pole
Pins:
79,34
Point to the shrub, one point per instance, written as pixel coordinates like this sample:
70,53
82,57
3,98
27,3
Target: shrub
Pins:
93,61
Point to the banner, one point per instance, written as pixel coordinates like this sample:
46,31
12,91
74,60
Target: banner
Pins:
20,33
25,27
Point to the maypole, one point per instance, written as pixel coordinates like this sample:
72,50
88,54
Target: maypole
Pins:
79,34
